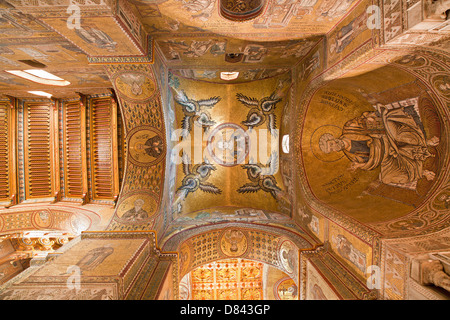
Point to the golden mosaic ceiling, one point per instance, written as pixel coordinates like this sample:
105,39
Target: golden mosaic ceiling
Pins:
290,44
280,20
354,141
229,181
195,39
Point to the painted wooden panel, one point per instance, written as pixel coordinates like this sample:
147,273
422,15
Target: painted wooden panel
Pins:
38,149
104,154
75,149
5,152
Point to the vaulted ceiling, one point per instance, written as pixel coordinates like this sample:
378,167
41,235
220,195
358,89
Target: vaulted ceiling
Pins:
362,93
307,68
284,46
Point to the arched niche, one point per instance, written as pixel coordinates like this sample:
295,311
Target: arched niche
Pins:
274,246
378,196
63,218
237,279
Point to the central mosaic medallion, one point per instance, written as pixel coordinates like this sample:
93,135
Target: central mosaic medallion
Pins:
233,243
228,144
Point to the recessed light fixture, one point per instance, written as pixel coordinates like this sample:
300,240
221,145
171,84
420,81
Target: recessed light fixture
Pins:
41,93
285,143
40,76
43,74
229,75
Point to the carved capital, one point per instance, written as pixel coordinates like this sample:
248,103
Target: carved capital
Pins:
433,274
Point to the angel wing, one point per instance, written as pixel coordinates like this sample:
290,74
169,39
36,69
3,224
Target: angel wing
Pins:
206,160
272,165
254,118
209,103
270,185
186,164
253,171
188,185
209,187
183,100
272,124
186,125
205,120
249,187
204,169
248,102
269,103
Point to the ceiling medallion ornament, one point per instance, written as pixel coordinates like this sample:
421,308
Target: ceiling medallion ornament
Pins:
146,147
135,86
137,208
241,10
228,145
233,243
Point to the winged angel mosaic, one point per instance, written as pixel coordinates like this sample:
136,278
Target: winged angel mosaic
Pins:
261,111
262,178
195,112
195,178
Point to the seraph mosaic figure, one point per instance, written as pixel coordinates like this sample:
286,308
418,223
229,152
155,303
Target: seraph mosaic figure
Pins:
261,111
262,178
135,81
194,112
196,177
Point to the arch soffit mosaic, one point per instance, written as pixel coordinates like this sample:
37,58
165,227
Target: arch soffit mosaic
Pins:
275,246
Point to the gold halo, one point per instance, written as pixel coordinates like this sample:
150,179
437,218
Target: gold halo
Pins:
314,143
